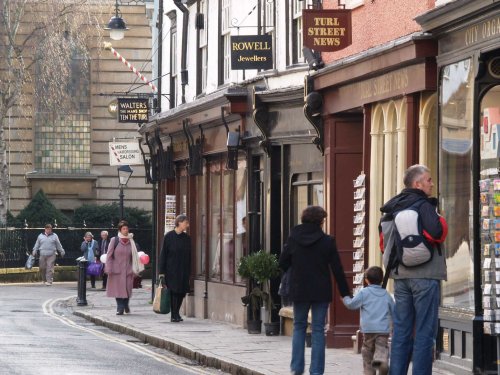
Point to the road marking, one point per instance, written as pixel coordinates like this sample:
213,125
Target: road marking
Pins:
48,309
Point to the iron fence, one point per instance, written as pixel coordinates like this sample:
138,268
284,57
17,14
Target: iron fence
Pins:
16,243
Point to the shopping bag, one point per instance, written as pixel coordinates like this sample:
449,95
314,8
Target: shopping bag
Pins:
161,302
95,269
30,262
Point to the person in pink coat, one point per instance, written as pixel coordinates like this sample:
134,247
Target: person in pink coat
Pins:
122,263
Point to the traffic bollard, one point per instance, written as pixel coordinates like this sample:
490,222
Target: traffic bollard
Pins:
81,300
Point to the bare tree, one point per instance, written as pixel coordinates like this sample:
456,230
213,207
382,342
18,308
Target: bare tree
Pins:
39,37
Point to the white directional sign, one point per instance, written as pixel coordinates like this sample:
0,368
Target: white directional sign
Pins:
125,153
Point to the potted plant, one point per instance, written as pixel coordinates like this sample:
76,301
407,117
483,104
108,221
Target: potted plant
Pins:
259,268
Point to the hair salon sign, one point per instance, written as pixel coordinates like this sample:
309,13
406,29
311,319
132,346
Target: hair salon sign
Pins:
327,30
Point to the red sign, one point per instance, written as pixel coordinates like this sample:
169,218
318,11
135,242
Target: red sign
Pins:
327,30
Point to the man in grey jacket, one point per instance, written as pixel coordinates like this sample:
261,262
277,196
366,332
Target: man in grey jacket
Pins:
48,245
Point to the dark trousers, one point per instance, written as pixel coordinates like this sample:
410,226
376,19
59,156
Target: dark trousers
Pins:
175,303
104,280
121,304
92,281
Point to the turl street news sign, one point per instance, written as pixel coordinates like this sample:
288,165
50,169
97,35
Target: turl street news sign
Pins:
327,30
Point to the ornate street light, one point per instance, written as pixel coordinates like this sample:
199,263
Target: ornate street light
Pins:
124,173
116,25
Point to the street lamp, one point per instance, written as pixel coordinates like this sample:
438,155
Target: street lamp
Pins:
124,173
116,25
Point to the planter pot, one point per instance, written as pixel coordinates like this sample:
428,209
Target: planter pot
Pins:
254,326
272,329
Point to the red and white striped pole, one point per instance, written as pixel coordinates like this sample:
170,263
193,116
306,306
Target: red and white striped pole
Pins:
108,47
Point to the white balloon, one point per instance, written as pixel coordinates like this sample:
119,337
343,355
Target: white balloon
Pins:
140,253
103,258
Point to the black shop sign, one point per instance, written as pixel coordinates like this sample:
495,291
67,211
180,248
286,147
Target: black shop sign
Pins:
133,110
251,52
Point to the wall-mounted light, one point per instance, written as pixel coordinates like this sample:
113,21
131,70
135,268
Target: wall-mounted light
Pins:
116,25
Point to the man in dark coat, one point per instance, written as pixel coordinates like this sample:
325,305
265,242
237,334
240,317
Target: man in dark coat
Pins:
102,248
175,264
311,254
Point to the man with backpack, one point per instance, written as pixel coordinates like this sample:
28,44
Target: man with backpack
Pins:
411,234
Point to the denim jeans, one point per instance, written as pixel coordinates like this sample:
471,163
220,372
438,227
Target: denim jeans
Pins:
300,312
415,325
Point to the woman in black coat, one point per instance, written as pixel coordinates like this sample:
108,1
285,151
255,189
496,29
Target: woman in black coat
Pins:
175,264
312,254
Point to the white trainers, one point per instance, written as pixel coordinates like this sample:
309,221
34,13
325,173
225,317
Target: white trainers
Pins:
48,283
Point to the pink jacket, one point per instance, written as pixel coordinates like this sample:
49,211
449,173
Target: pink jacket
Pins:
119,270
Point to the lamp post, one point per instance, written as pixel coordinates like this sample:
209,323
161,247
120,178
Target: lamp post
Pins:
116,25
124,173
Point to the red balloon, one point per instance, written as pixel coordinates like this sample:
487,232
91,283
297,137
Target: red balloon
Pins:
144,259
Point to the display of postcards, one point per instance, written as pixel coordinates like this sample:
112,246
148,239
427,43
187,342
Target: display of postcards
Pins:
496,184
487,251
497,290
489,302
487,263
358,278
358,266
359,193
497,263
484,185
497,249
496,224
497,276
485,198
489,328
487,290
359,230
358,242
485,211
487,276
486,225
359,205
497,236
360,181
359,217
496,211
358,255
496,197
489,315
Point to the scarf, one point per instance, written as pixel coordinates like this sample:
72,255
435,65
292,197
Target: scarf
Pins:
137,266
90,251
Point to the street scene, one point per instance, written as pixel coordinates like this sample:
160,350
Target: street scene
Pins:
250,187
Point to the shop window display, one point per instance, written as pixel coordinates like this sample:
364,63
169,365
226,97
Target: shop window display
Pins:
455,184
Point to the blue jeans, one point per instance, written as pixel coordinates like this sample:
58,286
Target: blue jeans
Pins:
300,311
415,325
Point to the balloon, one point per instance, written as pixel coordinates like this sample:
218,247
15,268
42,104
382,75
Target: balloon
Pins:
103,258
140,253
144,258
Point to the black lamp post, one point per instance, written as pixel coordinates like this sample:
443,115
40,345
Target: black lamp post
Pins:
116,25
124,173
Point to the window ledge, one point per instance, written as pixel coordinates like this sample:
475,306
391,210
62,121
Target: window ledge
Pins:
60,176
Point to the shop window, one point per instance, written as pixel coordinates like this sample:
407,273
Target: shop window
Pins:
202,223
307,190
62,139
455,185
296,22
225,41
227,205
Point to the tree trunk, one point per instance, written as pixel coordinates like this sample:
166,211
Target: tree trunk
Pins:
4,171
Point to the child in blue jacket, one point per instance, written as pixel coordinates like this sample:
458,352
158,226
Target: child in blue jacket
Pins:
377,307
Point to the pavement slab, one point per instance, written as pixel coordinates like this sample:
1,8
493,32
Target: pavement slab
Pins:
215,344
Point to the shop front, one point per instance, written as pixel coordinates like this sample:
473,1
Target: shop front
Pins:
201,174
379,109
469,181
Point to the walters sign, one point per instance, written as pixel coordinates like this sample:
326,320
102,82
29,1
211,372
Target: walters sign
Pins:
327,30
133,110
251,52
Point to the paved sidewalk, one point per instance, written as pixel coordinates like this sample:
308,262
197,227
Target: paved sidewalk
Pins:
219,345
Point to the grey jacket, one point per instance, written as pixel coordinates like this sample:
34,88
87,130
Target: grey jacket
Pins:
48,245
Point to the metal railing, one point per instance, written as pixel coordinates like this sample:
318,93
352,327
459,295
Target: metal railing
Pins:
16,242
